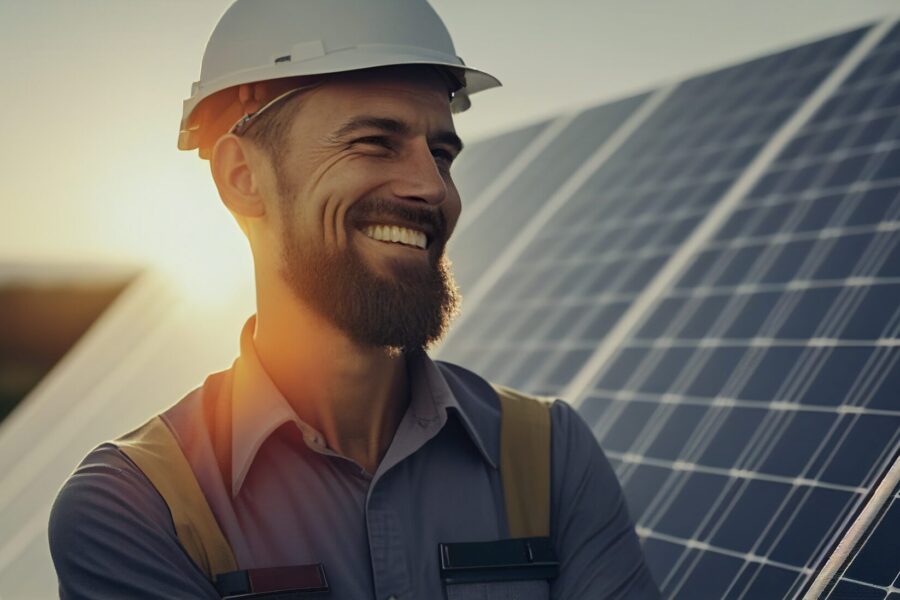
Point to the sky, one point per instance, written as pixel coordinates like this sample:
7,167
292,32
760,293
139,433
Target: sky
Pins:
92,90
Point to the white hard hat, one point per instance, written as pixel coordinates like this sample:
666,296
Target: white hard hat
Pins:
259,40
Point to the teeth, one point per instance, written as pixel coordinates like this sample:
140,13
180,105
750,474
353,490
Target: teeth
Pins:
400,235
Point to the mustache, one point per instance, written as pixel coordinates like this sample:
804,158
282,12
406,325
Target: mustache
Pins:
431,220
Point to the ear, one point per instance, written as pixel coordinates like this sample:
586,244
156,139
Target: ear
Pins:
236,178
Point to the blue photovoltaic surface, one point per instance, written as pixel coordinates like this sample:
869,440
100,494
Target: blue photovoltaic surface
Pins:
874,569
486,237
756,407
482,161
547,313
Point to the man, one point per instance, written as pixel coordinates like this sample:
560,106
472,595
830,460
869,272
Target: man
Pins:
335,453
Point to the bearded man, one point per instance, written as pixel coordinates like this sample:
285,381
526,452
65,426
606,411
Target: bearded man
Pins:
335,457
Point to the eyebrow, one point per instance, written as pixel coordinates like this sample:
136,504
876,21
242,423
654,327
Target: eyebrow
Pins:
396,127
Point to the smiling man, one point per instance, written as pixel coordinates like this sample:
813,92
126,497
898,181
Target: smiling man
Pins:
335,457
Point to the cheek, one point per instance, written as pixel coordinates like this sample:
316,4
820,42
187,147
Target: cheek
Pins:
348,181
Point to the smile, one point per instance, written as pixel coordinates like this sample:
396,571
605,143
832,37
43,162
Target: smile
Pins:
397,235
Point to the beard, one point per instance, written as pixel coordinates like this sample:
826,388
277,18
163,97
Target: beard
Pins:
409,309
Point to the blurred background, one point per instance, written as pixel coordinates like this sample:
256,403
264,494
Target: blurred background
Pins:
99,209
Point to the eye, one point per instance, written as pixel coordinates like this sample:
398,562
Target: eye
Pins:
374,140
443,156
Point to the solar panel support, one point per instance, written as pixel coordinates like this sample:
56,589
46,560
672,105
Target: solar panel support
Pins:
855,533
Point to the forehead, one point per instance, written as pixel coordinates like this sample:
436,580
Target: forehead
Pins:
417,96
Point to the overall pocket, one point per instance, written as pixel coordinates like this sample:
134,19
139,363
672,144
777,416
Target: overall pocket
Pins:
514,569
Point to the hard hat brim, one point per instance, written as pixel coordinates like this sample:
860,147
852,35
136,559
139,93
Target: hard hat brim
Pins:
354,59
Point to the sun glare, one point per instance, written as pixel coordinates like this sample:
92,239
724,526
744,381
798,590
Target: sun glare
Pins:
177,225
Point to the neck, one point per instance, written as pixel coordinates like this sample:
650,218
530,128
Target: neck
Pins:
354,395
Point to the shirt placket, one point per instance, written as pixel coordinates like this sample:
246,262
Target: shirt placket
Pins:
390,563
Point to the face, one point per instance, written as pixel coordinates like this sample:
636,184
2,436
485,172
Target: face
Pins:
367,204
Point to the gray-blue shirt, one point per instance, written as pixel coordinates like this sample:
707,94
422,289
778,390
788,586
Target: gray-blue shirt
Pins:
281,497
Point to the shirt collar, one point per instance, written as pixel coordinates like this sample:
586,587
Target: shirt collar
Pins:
259,408
433,394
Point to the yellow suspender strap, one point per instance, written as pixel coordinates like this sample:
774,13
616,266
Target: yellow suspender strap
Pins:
154,449
524,469
525,462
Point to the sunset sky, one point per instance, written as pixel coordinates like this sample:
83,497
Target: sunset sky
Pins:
92,95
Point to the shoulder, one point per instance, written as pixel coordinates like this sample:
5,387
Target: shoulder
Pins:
592,529
106,483
106,501
570,433
468,385
111,535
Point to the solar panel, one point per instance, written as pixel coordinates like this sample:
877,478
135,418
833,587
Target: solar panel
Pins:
752,407
765,369
620,225
567,143
481,162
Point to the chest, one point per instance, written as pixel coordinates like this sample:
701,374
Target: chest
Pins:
376,537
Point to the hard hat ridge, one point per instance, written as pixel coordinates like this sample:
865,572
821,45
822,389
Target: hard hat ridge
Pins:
259,40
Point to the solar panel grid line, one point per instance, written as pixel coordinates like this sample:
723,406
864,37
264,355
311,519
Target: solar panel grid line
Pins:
806,492
786,505
890,450
828,235
502,263
755,342
881,495
874,372
475,206
47,447
625,397
880,365
568,301
744,289
839,314
747,556
615,223
720,213
681,466
611,257
686,464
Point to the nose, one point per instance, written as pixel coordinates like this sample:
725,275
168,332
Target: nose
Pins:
418,177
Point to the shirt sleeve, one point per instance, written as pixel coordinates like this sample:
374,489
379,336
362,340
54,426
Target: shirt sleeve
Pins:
111,536
593,534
